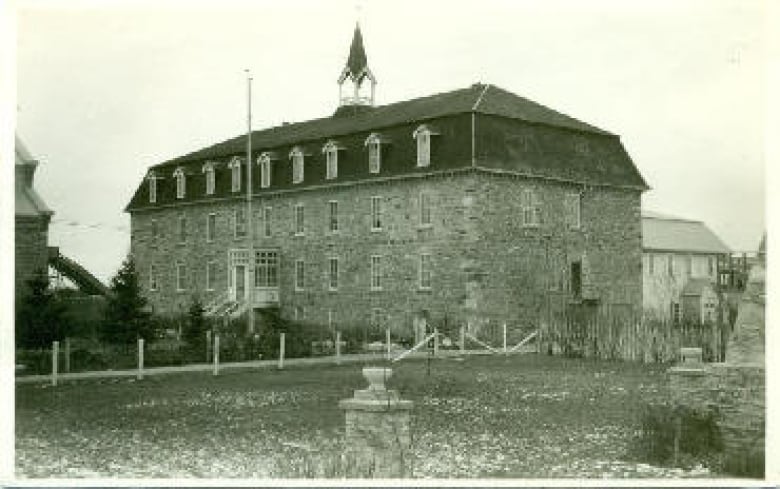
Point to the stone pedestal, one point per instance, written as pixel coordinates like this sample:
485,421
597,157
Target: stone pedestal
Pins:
378,436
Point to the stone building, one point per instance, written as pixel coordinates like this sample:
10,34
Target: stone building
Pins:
677,252
31,221
470,205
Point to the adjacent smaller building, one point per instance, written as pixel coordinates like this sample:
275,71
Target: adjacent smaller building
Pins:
680,267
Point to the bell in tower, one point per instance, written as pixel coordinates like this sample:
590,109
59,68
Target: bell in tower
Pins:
355,94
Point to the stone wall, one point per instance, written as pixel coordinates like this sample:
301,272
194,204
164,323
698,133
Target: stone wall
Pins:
32,254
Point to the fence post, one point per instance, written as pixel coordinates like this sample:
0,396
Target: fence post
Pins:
216,354
140,359
435,342
281,351
55,353
208,346
387,339
462,340
67,355
338,346
505,351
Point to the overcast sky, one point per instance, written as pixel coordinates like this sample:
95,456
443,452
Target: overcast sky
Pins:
103,93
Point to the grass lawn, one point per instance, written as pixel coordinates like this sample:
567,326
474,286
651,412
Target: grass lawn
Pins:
520,416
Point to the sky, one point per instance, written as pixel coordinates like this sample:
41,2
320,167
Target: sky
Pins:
106,90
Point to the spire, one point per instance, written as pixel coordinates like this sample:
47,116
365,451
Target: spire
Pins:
356,71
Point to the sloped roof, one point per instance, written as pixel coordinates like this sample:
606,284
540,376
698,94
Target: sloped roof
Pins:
480,98
27,202
668,233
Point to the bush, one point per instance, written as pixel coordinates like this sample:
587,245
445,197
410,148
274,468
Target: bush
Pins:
695,432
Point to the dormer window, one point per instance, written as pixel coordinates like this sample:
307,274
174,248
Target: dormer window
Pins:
374,144
296,155
423,136
152,177
265,170
331,150
181,182
235,174
208,171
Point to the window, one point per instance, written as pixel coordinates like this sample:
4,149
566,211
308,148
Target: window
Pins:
155,230
651,264
300,275
152,177
531,207
425,271
376,272
710,266
211,227
573,210
182,228
266,269
576,279
300,313
688,265
152,277
423,136
425,209
374,144
376,213
211,274
265,170
267,222
299,220
296,155
378,317
333,273
239,225
333,212
181,277
675,312
670,264
181,182
331,150
235,174
208,171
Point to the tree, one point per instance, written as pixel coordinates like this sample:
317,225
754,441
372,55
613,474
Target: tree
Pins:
126,317
40,316
196,326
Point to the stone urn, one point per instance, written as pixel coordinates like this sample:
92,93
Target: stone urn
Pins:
376,377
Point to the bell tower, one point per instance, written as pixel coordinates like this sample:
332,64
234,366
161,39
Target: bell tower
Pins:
356,72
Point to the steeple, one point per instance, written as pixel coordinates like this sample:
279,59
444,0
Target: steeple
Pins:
356,71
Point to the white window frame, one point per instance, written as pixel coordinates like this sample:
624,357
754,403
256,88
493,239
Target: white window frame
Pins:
333,273
266,269
239,223
423,136
574,210
211,275
181,183
300,275
152,177
235,174
425,209
374,144
267,231
299,313
333,216
211,227
182,229
299,220
265,170
208,171
376,213
376,272
153,285
331,151
296,155
530,204
181,276
155,231
425,272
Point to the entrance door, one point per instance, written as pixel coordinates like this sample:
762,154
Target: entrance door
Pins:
239,285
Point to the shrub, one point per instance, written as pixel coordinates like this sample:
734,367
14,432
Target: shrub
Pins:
694,432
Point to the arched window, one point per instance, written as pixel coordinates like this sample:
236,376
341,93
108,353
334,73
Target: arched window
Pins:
235,174
374,144
265,170
152,178
296,155
331,150
208,171
423,136
181,182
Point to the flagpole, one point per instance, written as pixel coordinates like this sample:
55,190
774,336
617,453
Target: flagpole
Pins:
250,220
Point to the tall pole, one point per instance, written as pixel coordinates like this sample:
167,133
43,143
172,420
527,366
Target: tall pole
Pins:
249,218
